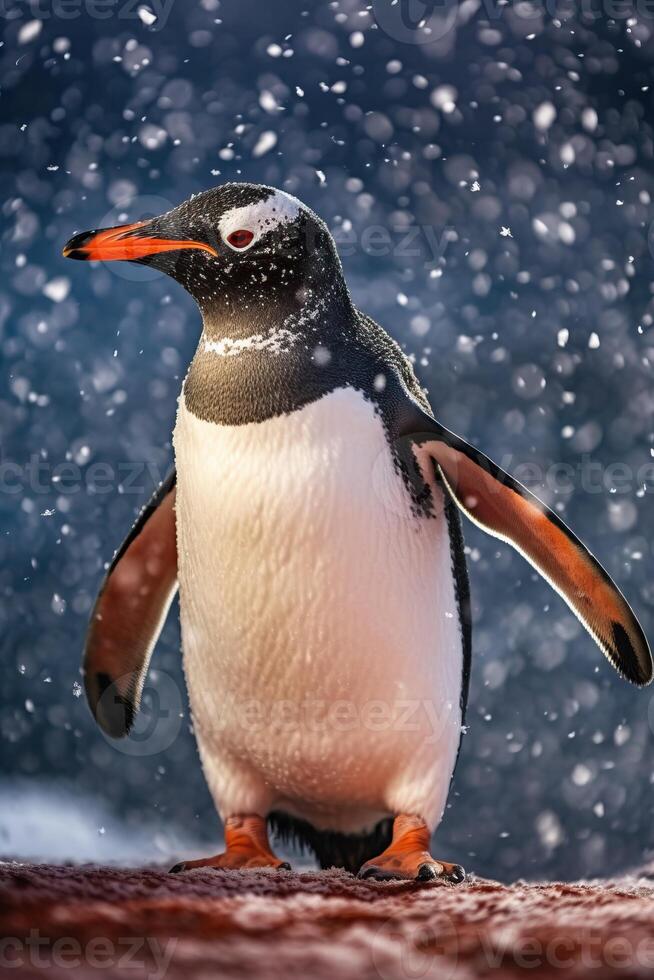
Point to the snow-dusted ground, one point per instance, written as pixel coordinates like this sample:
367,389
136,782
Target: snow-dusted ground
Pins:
87,921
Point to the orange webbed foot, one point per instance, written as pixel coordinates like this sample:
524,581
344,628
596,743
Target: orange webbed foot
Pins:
246,848
407,857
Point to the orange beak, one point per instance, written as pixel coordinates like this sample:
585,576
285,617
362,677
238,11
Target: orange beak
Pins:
130,242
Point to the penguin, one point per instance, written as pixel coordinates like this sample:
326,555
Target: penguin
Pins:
312,528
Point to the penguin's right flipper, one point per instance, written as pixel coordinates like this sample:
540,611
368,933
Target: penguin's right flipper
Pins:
504,508
129,613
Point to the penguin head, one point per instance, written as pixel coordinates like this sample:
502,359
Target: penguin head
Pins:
233,246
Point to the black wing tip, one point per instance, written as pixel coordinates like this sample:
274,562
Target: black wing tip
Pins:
635,668
113,711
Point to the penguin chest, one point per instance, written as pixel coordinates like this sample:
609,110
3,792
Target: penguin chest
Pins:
319,619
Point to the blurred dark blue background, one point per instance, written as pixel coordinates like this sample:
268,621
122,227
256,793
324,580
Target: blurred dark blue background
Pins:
490,183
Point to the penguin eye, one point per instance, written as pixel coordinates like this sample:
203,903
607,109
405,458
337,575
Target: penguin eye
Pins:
240,238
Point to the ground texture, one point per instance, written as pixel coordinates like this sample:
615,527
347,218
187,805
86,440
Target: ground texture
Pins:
99,921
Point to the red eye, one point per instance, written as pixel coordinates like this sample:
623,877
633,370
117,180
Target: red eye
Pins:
240,238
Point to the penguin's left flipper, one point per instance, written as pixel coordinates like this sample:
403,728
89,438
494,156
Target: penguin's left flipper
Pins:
504,508
129,613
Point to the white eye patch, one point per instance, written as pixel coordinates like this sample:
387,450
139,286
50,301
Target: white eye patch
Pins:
278,209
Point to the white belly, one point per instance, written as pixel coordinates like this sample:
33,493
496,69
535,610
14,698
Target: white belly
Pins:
321,637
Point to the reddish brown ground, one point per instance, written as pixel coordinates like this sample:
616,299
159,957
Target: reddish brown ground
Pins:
93,921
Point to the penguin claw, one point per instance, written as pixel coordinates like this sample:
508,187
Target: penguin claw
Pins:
456,875
375,873
176,868
370,872
427,872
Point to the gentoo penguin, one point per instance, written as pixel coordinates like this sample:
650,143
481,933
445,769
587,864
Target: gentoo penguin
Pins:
312,527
